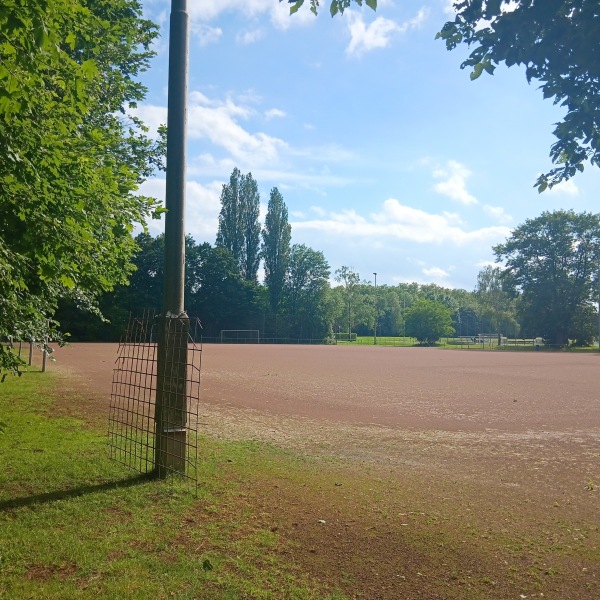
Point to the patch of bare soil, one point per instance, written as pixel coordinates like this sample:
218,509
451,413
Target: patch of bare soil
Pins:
444,474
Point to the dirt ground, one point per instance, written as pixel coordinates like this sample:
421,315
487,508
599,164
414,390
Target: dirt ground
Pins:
505,442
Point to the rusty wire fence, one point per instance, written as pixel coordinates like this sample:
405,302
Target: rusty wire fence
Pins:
133,437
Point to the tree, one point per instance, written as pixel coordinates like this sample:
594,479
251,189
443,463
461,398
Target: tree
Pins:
389,311
276,235
307,283
217,293
250,204
428,321
550,262
229,234
558,43
73,158
495,302
239,229
349,280
214,291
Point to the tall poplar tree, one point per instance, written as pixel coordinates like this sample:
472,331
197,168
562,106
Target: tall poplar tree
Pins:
250,204
276,235
229,234
239,229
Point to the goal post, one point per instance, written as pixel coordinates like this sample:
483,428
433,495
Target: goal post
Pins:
345,337
240,336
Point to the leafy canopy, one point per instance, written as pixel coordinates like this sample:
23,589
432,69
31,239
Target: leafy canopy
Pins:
428,321
558,42
550,262
239,229
72,158
275,250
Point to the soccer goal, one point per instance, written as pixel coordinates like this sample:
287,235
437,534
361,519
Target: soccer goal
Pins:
240,336
345,337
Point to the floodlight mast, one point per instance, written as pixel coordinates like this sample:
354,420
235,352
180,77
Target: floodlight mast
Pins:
376,314
171,410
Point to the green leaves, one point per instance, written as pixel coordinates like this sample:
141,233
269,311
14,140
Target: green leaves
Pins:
70,167
239,229
335,7
552,261
479,68
295,7
428,321
275,251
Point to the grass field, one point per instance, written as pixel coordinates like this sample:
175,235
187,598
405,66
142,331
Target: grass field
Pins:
520,345
272,521
73,524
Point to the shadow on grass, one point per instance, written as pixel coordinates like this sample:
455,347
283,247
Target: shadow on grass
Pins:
49,497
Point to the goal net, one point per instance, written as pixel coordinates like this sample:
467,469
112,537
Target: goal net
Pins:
240,336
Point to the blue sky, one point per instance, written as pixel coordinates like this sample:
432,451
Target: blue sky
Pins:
389,158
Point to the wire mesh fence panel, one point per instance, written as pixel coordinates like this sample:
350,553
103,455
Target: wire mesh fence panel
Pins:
163,441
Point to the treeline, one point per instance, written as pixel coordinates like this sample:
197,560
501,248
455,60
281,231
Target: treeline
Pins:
308,306
296,300
547,287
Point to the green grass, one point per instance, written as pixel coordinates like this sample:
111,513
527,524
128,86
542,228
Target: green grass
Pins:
368,340
73,524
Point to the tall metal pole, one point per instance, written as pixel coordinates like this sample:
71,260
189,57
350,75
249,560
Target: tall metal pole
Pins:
376,314
171,393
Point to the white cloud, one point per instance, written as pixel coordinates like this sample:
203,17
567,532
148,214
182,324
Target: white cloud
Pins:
232,132
364,38
218,122
279,12
202,207
204,34
510,6
506,6
249,37
565,188
436,273
281,18
152,116
454,182
398,221
498,213
379,33
486,263
206,10
449,7
273,113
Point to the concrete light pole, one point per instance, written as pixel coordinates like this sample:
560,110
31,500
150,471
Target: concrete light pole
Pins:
171,394
376,314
